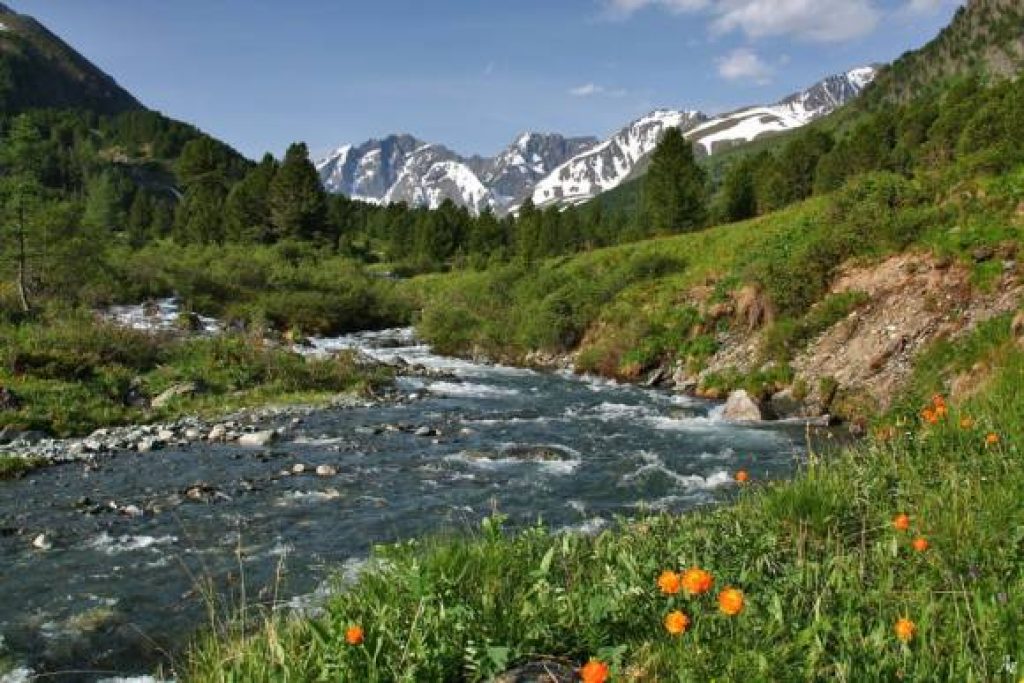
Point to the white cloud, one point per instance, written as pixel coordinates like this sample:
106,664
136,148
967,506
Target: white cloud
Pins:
592,89
824,21
815,20
744,64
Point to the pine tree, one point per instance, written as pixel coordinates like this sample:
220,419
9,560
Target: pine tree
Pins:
247,212
298,205
739,198
140,218
675,194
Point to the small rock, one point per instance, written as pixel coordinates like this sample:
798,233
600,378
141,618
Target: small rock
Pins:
425,431
131,511
741,407
165,435
193,434
149,444
217,433
326,471
657,378
298,468
982,254
41,542
262,438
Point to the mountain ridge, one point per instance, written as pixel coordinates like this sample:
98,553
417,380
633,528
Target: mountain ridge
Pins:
550,168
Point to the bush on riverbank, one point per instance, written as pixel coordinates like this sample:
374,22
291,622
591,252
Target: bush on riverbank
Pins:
824,564
71,373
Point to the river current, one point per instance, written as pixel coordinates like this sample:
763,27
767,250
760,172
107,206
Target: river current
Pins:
118,595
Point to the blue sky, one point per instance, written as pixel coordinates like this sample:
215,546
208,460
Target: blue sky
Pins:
469,73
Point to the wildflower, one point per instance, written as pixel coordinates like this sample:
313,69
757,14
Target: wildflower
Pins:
730,601
966,422
905,629
920,544
696,581
901,522
669,582
938,400
929,416
992,439
742,477
594,671
940,411
676,623
354,635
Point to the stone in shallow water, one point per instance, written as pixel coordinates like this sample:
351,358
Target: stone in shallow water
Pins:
263,438
326,471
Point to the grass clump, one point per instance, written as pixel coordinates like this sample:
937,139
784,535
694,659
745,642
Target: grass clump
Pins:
825,569
73,373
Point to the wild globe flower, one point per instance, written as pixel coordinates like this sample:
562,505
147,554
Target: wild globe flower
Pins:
966,423
594,671
742,477
920,544
992,439
901,522
669,582
905,629
929,415
676,623
730,601
696,581
354,635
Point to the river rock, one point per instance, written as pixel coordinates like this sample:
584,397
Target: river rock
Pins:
657,378
785,406
740,407
217,433
426,431
165,435
149,444
193,434
41,542
298,468
326,471
181,390
261,438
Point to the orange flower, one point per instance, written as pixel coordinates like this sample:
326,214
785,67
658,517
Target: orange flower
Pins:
940,411
676,623
742,477
730,601
938,400
966,422
901,522
905,629
669,582
929,416
696,581
594,671
920,544
354,635
992,439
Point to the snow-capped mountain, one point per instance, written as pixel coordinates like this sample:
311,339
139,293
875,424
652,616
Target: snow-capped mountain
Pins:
512,174
612,161
794,111
553,169
401,168
615,160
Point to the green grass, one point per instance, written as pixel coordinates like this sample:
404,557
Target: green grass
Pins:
825,576
72,374
12,467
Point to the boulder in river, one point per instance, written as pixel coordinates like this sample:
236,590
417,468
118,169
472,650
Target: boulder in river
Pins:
259,439
326,471
741,407
217,433
41,542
